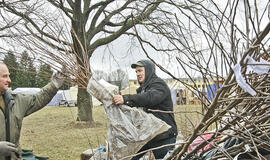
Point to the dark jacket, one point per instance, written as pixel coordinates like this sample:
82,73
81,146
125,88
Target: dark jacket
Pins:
154,94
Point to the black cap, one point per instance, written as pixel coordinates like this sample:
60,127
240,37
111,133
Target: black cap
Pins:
139,63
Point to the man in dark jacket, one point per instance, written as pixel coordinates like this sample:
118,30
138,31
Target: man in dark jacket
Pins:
153,94
14,107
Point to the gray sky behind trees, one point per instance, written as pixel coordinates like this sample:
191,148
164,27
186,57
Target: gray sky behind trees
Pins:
125,51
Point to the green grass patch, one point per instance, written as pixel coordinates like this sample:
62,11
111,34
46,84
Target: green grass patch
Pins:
187,118
54,132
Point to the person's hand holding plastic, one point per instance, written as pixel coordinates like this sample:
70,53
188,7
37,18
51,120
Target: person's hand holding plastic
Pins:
118,99
6,148
57,79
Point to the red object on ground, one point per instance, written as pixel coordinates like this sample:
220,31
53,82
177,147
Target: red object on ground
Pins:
198,141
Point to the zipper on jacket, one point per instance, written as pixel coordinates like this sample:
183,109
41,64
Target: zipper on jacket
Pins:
7,125
7,129
6,113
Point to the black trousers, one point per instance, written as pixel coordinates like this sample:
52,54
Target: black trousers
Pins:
158,153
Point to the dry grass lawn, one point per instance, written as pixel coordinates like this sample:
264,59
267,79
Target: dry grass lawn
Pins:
54,132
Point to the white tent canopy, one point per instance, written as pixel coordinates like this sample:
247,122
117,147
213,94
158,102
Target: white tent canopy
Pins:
60,95
56,99
68,95
26,90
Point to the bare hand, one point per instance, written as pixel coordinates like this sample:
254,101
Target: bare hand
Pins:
118,99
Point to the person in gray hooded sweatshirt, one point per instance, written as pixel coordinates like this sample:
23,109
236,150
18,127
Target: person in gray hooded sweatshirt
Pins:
154,94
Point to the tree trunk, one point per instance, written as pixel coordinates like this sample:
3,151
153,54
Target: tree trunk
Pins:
84,106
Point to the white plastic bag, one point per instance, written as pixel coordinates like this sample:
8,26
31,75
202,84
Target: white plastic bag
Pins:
128,128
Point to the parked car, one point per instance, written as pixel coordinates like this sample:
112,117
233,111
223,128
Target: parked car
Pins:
73,103
68,103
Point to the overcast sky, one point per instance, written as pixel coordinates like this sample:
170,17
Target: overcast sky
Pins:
120,55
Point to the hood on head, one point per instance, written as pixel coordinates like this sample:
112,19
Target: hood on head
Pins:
150,70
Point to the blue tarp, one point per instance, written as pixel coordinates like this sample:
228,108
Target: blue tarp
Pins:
56,99
212,90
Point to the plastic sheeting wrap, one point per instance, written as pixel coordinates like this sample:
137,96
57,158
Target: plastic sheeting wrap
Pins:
128,128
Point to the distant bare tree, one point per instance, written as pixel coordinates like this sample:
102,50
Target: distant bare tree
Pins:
98,75
119,78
